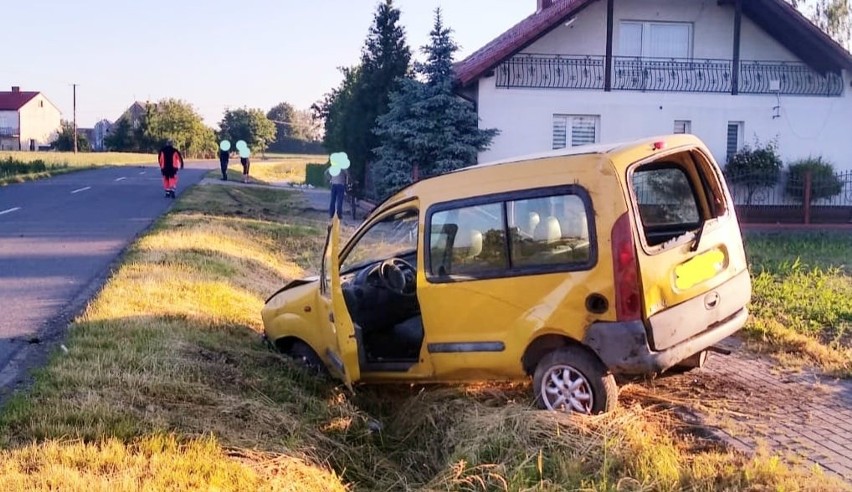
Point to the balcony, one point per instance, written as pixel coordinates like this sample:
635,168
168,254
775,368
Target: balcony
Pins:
666,75
8,132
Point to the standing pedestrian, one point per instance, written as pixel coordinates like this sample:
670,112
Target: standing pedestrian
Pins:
246,162
170,158
224,156
338,190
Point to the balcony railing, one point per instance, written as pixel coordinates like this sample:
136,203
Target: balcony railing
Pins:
8,132
671,75
552,72
666,75
757,77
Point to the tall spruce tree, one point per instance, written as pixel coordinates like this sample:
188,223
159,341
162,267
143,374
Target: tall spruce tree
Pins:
350,112
427,125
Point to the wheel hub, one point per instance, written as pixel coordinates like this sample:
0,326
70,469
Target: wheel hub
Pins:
565,389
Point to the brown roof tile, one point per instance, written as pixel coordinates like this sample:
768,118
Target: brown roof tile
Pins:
13,101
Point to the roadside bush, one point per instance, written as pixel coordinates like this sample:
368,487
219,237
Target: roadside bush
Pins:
315,174
11,167
824,181
754,168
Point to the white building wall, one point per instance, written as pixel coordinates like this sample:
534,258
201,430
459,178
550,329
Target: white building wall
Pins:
712,30
806,126
40,121
8,125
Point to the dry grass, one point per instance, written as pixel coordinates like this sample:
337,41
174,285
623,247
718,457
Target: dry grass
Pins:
46,164
166,386
81,158
282,168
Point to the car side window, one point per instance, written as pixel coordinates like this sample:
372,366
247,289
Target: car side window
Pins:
468,240
551,230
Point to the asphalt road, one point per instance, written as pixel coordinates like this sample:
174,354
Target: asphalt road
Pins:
59,239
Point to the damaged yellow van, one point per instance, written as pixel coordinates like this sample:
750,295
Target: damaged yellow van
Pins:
568,267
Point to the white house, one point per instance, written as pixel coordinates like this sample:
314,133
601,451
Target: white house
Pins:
28,120
729,71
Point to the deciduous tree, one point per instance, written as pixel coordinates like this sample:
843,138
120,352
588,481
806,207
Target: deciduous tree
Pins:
65,139
250,125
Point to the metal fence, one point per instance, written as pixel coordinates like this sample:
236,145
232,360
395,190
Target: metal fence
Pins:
807,198
666,75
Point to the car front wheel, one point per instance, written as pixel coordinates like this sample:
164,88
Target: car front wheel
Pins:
571,379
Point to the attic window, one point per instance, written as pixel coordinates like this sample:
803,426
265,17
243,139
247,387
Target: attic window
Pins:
41,104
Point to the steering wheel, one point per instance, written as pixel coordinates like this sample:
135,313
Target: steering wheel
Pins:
397,275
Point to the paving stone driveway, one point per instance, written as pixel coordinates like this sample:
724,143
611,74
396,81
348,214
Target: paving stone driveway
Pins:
752,403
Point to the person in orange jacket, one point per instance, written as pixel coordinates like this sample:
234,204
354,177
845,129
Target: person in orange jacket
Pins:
169,158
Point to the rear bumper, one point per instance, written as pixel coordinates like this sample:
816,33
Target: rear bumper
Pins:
624,347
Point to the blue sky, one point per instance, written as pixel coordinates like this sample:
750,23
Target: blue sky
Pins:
211,53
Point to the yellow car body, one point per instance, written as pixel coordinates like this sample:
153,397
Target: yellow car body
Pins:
627,258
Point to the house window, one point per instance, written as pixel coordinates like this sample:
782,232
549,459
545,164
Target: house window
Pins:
682,126
735,138
655,39
574,130
41,104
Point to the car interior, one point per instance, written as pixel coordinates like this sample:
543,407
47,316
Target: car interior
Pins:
670,198
381,297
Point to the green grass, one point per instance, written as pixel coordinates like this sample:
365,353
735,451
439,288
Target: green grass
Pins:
802,297
166,386
17,167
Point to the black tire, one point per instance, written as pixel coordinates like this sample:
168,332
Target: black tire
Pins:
598,391
305,356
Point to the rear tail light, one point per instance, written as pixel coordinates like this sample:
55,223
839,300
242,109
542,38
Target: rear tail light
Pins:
628,303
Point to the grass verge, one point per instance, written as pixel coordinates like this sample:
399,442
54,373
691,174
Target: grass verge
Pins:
19,167
802,301
165,386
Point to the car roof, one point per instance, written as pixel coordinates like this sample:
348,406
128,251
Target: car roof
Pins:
620,154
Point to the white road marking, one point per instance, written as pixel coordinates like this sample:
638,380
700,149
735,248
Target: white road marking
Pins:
81,189
120,179
9,210
143,172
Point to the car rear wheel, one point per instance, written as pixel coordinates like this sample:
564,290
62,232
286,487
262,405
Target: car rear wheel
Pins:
571,379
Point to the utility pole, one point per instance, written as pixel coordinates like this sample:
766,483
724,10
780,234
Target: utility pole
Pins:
75,118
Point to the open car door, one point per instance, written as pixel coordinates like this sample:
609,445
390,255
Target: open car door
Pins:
343,327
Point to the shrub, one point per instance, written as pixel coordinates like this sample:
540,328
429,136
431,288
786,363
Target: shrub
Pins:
315,174
824,182
754,168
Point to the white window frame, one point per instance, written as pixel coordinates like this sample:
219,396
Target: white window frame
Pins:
740,137
685,124
644,36
569,124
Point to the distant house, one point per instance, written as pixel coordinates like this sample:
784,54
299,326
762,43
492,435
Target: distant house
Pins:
585,71
99,133
134,114
28,120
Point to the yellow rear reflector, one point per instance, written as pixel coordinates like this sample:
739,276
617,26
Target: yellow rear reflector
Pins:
699,269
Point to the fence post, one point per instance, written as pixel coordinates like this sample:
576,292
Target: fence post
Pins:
807,198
